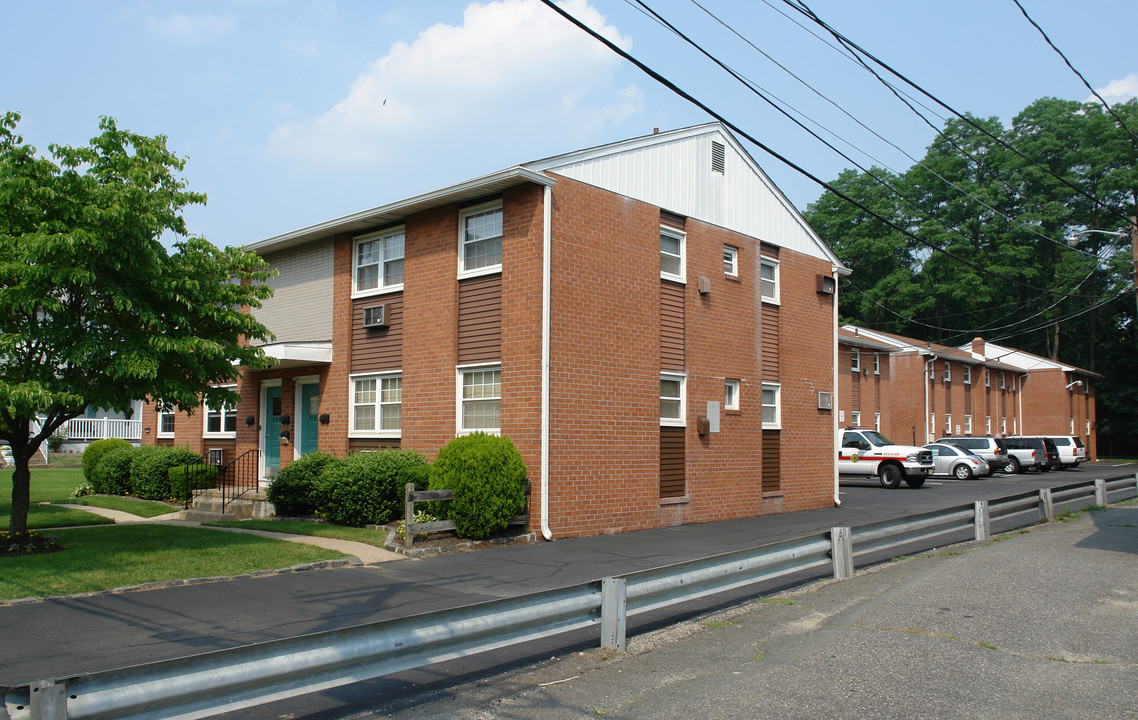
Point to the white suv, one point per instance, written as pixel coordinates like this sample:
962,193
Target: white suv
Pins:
867,453
1071,450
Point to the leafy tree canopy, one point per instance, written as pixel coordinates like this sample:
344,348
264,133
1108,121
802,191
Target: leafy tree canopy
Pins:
93,309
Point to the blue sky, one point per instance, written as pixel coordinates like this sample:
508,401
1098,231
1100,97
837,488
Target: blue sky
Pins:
293,112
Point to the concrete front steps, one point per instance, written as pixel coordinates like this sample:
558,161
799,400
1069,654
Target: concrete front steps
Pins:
207,506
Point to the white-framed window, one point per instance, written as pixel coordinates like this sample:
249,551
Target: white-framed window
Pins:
730,261
932,426
480,399
1088,427
376,405
877,422
967,424
987,424
987,380
220,422
772,407
967,374
166,425
768,280
855,418
672,405
480,239
731,394
1004,425
378,263
855,359
1072,427
948,423
1015,430
876,363
1086,387
947,371
1002,380
672,254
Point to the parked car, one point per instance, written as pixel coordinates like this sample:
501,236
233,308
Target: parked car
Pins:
1054,459
991,449
1044,455
1071,450
960,463
867,453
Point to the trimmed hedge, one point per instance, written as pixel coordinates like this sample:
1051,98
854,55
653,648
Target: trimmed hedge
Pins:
293,491
184,479
112,473
95,452
364,488
150,471
488,477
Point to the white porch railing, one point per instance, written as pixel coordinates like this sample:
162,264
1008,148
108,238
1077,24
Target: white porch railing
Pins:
88,429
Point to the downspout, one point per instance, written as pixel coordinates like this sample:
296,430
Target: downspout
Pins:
546,275
835,403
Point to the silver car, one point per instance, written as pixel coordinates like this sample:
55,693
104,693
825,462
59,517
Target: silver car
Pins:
960,463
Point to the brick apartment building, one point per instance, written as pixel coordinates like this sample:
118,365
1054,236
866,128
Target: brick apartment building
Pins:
651,322
915,391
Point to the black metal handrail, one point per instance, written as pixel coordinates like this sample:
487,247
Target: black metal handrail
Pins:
195,479
240,475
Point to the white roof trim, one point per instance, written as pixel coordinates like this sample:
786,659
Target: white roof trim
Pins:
396,211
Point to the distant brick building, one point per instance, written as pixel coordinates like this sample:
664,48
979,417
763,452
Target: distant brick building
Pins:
651,322
915,391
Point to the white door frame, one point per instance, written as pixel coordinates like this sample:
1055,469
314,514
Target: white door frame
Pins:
265,385
299,408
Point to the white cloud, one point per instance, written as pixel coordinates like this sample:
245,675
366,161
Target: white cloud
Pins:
1119,90
512,67
191,29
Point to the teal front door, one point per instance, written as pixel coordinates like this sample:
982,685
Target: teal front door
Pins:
272,425
309,420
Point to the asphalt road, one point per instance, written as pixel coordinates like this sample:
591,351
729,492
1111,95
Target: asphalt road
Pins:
63,637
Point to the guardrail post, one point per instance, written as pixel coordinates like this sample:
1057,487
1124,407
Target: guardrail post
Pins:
48,700
408,515
981,521
1100,492
614,614
841,551
1046,506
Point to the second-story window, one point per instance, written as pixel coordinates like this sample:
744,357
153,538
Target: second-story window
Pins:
481,241
671,254
855,360
730,261
379,262
769,280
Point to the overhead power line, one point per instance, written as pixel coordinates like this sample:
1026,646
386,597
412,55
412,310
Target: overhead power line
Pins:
789,163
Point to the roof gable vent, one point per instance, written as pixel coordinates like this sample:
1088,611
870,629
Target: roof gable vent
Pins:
718,157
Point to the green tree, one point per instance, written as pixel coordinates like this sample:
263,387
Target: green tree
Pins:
93,309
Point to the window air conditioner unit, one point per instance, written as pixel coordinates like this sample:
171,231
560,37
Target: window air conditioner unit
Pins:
825,401
375,316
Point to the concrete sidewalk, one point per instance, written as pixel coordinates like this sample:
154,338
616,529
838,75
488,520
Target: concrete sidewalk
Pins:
1035,624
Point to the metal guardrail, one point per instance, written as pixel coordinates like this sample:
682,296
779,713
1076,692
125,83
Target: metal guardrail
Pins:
212,683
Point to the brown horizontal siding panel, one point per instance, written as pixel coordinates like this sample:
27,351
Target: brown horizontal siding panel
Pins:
770,251
673,220
672,317
772,467
377,349
370,444
672,462
480,320
770,342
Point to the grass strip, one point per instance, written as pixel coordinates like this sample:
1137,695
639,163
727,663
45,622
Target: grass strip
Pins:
134,506
315,529
105,558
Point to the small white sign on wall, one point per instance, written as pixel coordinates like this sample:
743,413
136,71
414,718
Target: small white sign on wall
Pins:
841,416
713,415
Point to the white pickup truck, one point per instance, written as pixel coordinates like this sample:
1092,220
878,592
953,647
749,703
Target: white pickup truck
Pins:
867,453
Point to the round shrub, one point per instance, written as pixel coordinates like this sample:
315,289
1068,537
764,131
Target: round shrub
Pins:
150,471
95,452
488,477
184,479
364,487
112,474
293,491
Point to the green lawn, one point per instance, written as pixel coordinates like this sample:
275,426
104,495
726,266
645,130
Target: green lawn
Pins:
134,506
103,558
48,485
298,527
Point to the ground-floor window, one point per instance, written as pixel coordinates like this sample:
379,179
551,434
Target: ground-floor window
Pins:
480,399
377,404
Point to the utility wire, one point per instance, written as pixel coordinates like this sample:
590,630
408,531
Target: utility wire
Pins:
802,8
912,159
1105,104
778,156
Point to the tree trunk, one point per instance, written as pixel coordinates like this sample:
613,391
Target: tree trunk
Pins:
21,490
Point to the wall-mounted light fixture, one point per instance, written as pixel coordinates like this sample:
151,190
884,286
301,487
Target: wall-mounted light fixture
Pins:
251,421
325,419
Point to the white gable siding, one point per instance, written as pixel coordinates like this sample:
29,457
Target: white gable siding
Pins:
676,175
301,306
